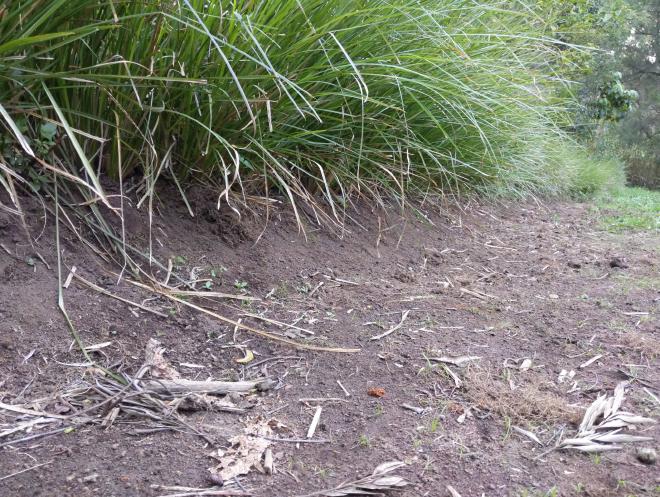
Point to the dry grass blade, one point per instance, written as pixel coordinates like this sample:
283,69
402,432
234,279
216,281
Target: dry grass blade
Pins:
528,434
375,484
404,316
453,492
603,423
250,329
456,361
117,297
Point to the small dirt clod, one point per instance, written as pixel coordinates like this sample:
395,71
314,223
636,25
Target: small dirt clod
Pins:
647,455
619,262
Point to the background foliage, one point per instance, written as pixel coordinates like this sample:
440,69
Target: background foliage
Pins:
625,38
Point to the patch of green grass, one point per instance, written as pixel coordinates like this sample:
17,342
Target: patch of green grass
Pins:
363,441
629,209
593,174
627,283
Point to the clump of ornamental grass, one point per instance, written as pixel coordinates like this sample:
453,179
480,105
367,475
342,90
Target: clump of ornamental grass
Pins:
311,101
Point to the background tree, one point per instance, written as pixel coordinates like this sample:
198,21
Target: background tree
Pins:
609,48
637,134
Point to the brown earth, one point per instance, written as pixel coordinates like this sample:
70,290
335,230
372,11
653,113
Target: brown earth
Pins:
502,282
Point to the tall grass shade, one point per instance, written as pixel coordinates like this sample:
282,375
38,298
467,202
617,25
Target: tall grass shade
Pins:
318,101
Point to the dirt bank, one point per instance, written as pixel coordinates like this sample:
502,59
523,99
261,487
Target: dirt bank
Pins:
504,283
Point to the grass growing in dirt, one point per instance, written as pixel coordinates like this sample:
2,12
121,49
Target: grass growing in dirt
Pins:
375,99
629,209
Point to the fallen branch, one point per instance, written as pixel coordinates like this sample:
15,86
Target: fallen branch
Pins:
182,386
194,492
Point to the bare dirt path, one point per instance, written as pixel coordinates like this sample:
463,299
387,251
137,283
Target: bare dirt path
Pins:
530,290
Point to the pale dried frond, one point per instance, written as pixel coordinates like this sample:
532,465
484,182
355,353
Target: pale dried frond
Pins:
603,424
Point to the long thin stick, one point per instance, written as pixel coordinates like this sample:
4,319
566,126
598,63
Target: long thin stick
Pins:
26,470
121,299
242,326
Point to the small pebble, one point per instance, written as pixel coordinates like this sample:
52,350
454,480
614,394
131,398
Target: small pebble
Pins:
91,478
647,455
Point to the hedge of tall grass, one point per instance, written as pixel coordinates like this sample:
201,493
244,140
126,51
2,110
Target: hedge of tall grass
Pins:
316,101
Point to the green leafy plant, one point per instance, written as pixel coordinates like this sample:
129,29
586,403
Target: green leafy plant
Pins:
614,100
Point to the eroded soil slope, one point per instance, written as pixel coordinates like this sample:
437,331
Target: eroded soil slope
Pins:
529,289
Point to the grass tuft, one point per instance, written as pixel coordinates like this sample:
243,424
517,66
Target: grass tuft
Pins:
312,101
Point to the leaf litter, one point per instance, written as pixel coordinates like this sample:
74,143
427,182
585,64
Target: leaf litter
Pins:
604,425
246,450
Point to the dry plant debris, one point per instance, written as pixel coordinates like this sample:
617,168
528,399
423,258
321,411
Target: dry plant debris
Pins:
245,452
103,399
603,423
375,484
459,361
172,295
529,402
376,392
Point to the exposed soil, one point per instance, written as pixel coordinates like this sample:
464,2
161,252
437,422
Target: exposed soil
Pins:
502,282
